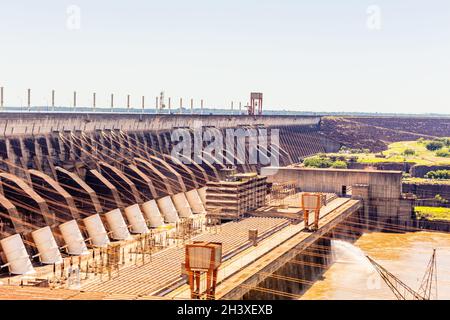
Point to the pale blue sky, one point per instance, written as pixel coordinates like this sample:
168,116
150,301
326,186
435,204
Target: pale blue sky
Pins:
304,55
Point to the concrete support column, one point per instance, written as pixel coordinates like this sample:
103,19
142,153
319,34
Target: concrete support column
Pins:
83,146
405,212
24,150
12,157
38,156
51,150
361,192
61,149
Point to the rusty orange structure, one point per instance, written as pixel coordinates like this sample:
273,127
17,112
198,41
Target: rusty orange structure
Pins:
203,257
256,104
311,202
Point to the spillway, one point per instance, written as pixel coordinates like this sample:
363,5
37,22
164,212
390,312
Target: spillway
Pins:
117,225
182,205
168,210
136,219
152,214
202,194
195,202
96,230
47,246
73,238
16,255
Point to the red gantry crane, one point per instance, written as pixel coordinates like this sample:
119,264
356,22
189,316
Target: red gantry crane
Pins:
256,104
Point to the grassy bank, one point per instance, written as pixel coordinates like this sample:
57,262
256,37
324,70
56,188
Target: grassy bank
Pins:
396,153
404,151
422,181
432,213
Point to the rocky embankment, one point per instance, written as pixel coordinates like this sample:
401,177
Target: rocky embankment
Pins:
375,133
437,127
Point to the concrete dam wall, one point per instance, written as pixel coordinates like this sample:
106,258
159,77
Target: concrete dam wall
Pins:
13,124
66,178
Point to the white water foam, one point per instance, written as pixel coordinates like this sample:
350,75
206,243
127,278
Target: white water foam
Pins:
345,252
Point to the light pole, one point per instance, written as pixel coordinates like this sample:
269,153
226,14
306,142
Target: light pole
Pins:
1,98
112,102
29,99
74,100
53,100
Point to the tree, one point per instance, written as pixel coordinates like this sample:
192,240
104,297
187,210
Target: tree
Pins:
317,162
434,145
409,152
439,198
438,174
445,141
339,164
443,153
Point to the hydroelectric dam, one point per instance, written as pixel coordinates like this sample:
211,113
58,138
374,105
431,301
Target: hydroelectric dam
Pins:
98,205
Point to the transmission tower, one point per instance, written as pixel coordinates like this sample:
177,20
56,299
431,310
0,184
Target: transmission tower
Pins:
429,278
403,291
400,289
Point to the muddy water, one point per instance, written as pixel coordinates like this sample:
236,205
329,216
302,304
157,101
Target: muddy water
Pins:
406,256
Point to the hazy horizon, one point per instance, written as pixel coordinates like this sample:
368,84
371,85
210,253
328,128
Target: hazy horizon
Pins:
352,56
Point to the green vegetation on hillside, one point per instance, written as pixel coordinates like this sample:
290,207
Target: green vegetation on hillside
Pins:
404,151
339,164
425,181
434,145
432,213
441,199
444,153
445,141
409,152
438,174
321,161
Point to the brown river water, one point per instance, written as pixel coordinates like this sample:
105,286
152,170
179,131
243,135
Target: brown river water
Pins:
352,276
